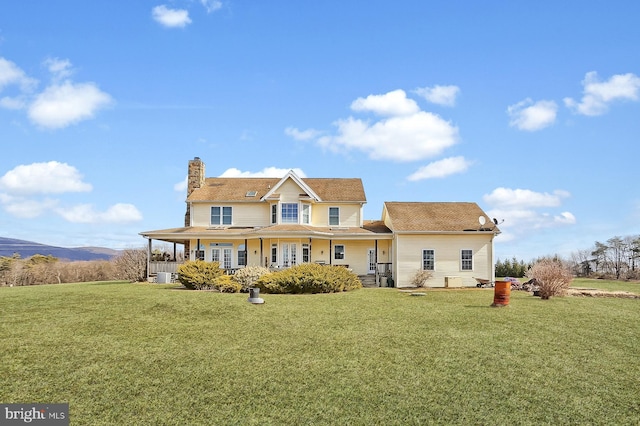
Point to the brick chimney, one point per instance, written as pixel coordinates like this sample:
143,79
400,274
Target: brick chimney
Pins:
195,180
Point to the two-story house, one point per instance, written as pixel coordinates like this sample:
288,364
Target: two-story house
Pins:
278,223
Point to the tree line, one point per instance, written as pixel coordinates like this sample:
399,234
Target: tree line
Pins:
617,258
130,265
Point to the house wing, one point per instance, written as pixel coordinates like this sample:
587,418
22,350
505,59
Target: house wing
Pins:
435,217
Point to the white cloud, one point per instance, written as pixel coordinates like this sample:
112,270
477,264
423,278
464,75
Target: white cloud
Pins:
405,133
26,208
171,18
211,5
598,95
86,213
441,95
43,178
441,168
182,185
301,135
524,198
16,103
60,69
530,116
526,212
11,74
406,138
266,172
67,103
394,103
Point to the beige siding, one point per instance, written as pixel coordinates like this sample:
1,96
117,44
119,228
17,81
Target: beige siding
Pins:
349,214
244,214
447,249
289,192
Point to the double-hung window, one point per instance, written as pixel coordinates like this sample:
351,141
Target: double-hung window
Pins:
274,214
428,260
466,260
221,215
289,212
306,214
338,251
334,216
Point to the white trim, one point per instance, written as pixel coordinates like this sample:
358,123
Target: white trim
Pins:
472,260
291,175
434,259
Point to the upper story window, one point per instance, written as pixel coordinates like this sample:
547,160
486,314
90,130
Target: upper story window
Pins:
334,216
274,214
466,260
306,214
289,212
221,215
428,260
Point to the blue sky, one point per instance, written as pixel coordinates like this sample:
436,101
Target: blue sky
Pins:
530,109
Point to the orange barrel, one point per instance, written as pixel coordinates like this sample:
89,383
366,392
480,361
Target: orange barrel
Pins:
501,293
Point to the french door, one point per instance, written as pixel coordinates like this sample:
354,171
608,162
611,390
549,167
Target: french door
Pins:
222,255
289,253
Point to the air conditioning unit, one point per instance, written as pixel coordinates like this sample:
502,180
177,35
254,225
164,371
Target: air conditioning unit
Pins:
453,281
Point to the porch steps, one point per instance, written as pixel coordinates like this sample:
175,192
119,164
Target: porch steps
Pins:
368,280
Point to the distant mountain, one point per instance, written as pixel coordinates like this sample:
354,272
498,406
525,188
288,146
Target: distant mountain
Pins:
9,246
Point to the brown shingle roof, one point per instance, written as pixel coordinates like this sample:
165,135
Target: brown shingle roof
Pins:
436,217
235,189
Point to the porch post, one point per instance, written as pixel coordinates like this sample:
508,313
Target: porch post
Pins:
261,253
149,259
375,255
174,253
330,247
246,252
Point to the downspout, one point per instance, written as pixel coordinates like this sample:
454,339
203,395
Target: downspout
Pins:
493,262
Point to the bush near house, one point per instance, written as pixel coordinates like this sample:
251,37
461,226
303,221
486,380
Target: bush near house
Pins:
309,278
227,284
199,275
419,279
248,275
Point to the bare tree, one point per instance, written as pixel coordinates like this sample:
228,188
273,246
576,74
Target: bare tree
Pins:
132,265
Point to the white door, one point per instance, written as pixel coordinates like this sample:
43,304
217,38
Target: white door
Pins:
289,254
222,255
371,256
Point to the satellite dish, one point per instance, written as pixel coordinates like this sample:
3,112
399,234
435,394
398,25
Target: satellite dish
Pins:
482,220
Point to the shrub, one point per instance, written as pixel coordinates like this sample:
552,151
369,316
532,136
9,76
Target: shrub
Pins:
248,275
198,274
309,278
552,277
226,284
419,279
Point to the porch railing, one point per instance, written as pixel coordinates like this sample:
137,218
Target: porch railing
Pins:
171,267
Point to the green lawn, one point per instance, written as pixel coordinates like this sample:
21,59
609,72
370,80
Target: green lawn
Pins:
126,354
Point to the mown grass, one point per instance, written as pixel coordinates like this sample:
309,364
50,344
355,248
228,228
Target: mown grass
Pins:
607,285
124,353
